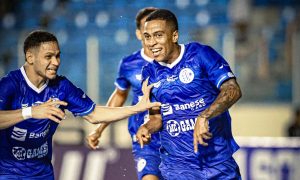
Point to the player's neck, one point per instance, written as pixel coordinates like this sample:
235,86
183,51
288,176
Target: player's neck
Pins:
174,54
33,77
147,52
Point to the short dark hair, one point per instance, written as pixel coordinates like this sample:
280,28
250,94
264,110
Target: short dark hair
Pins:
166,15
36,38
142,14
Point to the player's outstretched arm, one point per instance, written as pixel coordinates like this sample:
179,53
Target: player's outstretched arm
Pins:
48,110
117,99
111,114
154,124
230,93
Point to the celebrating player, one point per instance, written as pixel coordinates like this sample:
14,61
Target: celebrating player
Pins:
196,88
147,159
32,103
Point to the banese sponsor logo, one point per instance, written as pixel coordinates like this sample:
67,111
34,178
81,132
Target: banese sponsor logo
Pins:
168,109
191,105
42,134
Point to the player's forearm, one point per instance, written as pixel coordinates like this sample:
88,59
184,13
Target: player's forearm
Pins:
117,99
101,127
154,124
103,114
230,93
10,118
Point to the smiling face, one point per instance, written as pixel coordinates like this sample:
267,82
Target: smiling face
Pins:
161,40
44,61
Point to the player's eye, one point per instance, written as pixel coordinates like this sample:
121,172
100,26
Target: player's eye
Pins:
147,37
158,35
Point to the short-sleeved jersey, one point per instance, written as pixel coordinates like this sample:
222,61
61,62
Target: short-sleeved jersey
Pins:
130,76
26,147
185,88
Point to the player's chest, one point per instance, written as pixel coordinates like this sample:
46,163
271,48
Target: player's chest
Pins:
29,97
182,81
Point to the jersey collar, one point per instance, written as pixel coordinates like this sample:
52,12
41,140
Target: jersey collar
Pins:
32,86
144,56
174,63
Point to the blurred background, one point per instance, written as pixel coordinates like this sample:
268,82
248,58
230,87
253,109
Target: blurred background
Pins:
259,38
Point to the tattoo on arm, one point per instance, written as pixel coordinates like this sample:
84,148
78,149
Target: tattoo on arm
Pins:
230,92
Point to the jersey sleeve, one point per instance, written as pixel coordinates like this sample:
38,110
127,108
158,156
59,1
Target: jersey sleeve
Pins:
78,102
7,91
216,67
121,81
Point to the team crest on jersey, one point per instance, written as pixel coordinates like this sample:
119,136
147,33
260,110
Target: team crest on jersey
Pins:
186,75
141,164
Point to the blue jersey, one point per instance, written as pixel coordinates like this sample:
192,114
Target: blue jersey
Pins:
130,75
26,147
185,88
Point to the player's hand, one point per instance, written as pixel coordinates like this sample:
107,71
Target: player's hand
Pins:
143,136
49,110
145,102
201,132
93,139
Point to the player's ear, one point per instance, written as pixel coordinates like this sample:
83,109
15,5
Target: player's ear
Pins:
175,36
29,57
138,34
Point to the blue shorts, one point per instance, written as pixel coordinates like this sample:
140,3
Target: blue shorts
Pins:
227,170
147,163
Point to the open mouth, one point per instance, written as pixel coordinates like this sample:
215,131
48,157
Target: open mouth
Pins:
156,51
52,70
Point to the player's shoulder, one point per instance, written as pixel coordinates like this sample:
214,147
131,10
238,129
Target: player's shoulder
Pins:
131,57
192,46
12,78
60,80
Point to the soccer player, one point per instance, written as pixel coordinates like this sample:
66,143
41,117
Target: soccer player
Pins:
196,87
32,103
147,159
